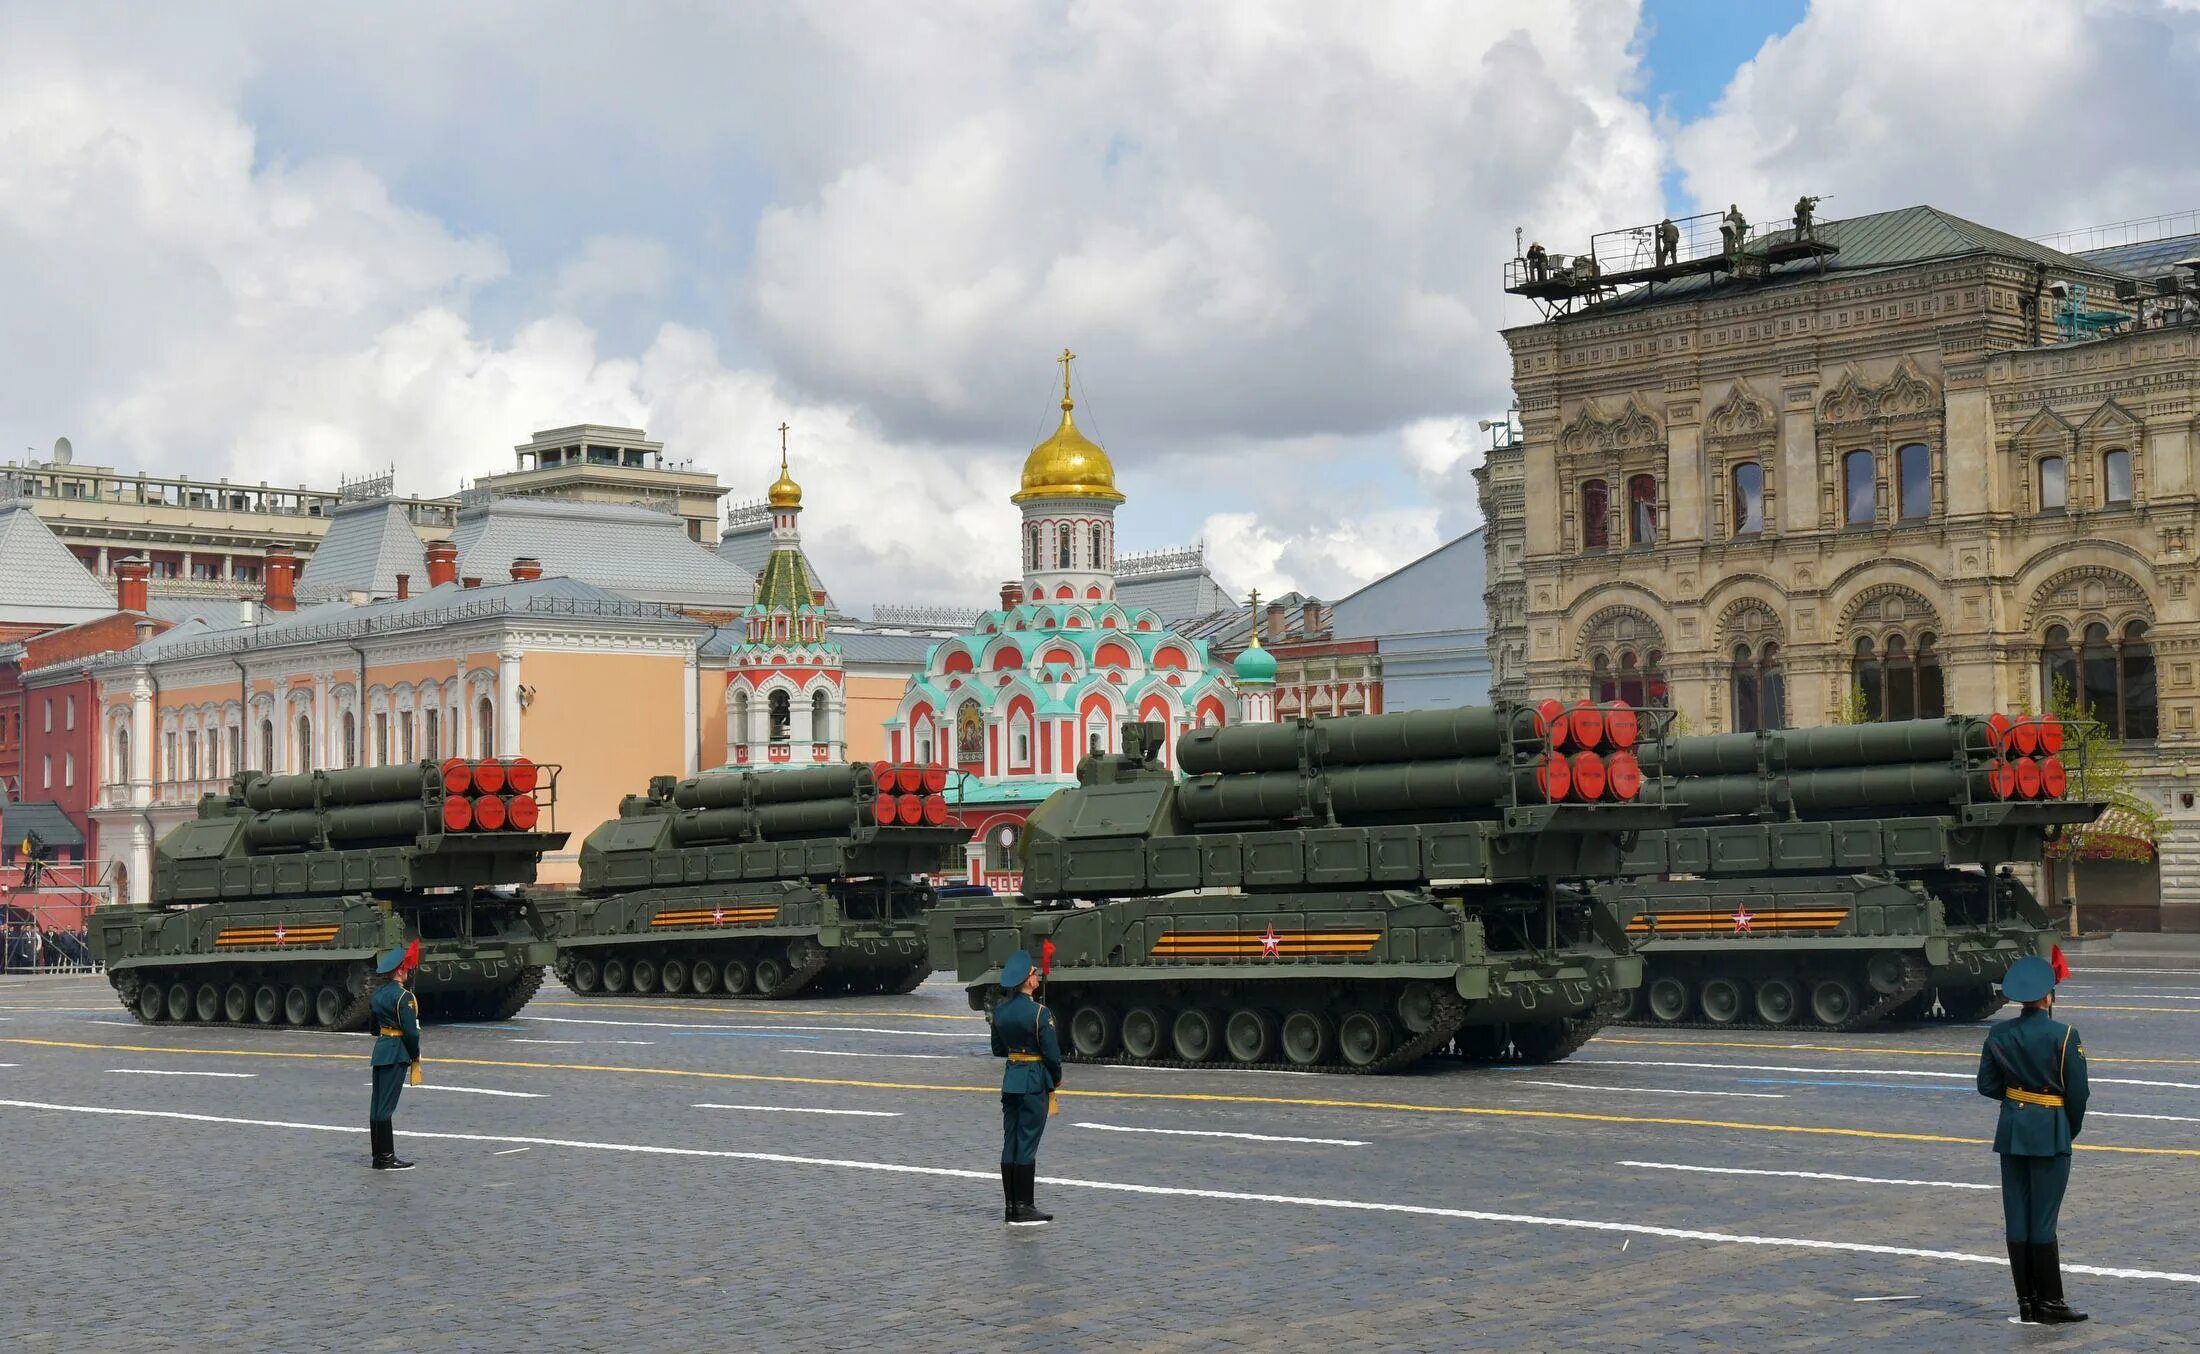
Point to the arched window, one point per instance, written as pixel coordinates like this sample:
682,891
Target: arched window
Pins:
190,756
1899,679
1862,493
740,730
1636,678
1099,547
2135,656
1066,544
1596,515
485,728
1914,481
1642,510
305,744
2116,478
2054,484
820,719
1760,687
781,714
121,774
1749,499
1037,550
350,727
2110,676
434,736
267,742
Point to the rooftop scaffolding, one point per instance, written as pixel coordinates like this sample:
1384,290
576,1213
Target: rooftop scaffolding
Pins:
1664,251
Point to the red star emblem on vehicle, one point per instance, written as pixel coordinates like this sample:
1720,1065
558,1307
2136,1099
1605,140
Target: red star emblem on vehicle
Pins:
718,913
1271,943
1742,919
279,933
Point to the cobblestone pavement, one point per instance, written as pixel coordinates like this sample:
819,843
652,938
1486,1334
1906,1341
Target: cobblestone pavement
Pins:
640,1175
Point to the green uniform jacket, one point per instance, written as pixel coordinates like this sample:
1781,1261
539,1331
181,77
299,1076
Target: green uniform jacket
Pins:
2038,1054
1021,1025
395,1008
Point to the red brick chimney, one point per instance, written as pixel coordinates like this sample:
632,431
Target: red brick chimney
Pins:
282,579
442,563
1311,619
130,576
404,586
525,568
1275,622
469,582
1012,595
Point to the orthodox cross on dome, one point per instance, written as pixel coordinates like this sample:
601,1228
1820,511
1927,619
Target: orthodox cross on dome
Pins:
1065,359
1255,604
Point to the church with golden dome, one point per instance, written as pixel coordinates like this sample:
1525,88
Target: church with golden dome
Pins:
786,700
1054,671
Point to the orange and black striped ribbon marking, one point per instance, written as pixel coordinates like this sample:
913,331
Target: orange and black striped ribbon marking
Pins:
266,935
732,916
1256,944
1682,923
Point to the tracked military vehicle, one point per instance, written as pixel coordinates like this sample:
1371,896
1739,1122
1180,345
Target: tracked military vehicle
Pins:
767,884
1834,878
270,907
1342,895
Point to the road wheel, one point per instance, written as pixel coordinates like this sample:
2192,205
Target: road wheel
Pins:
1778,1001
734,977
674,976
152,1001
267,1004
770,972
1143,1032
614,975
206,1003
587,976
1833,1000
1307,1038
1722,1000
1250,1035
644,975
1417,1007
297,1006
1668,999
703,978
1363,1038
328,1005
236,1004
179,1002
1092,1032
1884,972
1194,1035
1630,1004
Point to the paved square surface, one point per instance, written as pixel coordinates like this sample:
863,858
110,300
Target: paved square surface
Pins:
676,1174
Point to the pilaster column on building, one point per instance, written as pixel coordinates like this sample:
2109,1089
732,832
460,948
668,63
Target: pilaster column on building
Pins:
141,863
323,737
103,561
507,730
691,712
141,742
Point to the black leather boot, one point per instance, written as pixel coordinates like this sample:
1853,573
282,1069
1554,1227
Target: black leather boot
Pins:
1009,1192
2020,1268
2048,1307
389,1148
1027,1175
377,1134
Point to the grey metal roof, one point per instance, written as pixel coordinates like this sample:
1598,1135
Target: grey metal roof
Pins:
635,552
41,816
1174,594
367,546
39,577
1442,590
217,610
884,647
1903,237
2154,258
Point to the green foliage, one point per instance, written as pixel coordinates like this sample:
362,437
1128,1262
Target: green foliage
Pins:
1852,709
2099,771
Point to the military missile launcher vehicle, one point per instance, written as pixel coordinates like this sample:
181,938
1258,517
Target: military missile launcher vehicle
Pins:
1337,895
765,884
1833,878
271,906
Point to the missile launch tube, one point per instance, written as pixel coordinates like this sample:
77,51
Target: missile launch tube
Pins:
1472,786
359,785
768,787
1357,740
773,822
1834,788
387,821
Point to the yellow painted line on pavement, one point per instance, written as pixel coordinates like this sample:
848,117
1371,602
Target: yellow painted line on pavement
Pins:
1199,1097
2092,1060
745,1009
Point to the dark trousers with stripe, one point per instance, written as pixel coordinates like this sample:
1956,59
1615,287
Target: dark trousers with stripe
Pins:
389,1083
1023,1119
2031,1196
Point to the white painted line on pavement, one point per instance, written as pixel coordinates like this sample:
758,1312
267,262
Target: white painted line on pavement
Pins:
633,1043
1650,1090
2146,971
779,1028
471,1090
831,1053
1217,1133
1894,1297
510,1150
1578,1061
1800,1175
1156,1191
802,1109
2164,1118
156,1072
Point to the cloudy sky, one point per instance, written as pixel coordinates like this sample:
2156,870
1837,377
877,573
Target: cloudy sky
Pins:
297,242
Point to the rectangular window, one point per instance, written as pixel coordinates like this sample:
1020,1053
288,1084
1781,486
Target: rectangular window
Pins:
381,740
46,770
434,736
49,714
405,737
68,768
70,721
167,757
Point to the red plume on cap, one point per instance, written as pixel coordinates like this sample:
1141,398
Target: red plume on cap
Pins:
1046,957
2056,961
412,956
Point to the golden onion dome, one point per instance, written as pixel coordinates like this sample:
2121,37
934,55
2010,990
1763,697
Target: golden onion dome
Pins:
1068,464
784,493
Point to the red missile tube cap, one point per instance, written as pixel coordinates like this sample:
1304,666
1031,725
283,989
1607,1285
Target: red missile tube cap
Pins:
882,775
1623,775
908,810
2028,778
1997,731
1588,773
882,808
2054,778
935,780
1550,720
521,812
1584,728
489,775
489,813
2001,780
935,811
458,775
1622,726
2051,734
2024,736
458,814
910,779
522,776
1554,777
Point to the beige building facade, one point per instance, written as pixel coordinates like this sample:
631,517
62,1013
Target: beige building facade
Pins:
1909,476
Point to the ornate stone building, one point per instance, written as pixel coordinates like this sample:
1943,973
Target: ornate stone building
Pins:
1922,475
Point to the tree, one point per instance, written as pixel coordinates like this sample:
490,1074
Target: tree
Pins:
2129,828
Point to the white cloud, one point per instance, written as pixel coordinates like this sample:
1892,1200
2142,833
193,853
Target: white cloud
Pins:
612,268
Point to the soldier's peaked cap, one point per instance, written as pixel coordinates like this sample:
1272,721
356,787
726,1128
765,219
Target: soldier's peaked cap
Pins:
404,956
1016,970
2029,979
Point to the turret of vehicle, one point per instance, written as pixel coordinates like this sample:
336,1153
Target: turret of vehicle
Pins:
1346,895
1833,878
270,906
762,884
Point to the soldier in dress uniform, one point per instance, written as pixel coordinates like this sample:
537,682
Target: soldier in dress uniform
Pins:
1024,1033
396,1013
2035,1066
